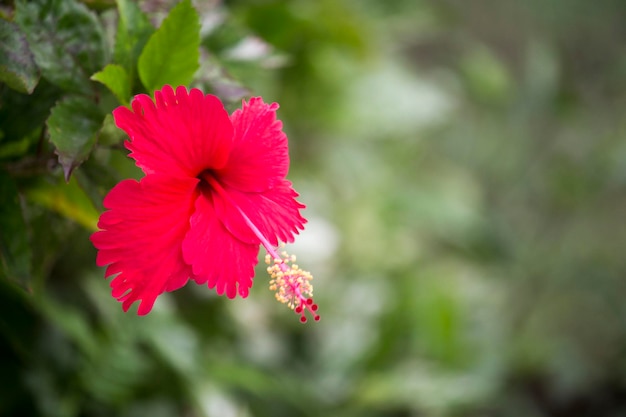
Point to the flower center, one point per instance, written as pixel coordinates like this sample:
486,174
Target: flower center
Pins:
292,284
208,181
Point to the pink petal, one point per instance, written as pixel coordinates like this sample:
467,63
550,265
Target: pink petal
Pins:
182,135
275,212
218,258
260,157
141,237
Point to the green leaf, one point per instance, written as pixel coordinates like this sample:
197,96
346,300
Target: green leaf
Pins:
15,148
15,250
67,199
17,65
66,39
110,135
171,56
24,115
133,31
73,126
116,79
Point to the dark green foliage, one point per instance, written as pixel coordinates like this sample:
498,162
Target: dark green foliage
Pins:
73,126
464,168
15,252
17,66
66,39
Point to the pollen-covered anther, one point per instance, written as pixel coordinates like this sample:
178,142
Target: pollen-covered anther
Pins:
292,285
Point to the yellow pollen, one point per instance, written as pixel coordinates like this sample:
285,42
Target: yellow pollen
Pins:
291,283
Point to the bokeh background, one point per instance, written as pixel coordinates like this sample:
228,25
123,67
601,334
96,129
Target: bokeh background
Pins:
463,164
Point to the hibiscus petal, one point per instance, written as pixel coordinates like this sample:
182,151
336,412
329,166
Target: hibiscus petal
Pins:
260,157
275,212
141,236
218,258
182,134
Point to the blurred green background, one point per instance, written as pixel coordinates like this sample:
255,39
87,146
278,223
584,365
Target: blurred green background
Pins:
464,168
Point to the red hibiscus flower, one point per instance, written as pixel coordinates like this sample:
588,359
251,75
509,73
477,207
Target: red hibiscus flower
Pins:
214,190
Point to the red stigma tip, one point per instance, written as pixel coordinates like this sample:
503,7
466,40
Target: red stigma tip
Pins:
292,284
305,305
